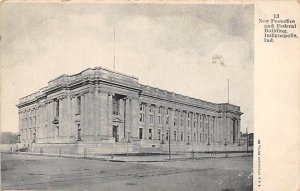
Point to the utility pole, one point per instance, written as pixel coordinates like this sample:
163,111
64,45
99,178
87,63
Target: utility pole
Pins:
169,139
247,139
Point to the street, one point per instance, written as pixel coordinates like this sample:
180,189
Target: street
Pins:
28,172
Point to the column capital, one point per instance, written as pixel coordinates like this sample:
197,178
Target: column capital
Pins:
127,98
171,108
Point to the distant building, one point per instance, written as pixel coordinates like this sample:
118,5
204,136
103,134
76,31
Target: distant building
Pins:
8,138
247,137
102,107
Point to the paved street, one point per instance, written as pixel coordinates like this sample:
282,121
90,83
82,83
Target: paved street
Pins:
29,172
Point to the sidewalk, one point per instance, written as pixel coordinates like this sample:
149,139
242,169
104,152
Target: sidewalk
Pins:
133,158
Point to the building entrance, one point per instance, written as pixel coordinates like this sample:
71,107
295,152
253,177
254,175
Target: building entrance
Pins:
140,133
115,133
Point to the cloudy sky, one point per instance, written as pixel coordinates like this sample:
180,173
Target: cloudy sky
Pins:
187,49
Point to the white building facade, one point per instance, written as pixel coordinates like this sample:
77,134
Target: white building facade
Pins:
102,107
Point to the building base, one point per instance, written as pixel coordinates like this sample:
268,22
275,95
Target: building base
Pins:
140,146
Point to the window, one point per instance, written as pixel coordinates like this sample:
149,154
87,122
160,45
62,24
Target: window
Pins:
167,120
194,136
158,133
142,107
167,136
150,134
116,106
151,108
159,119
140,133
151,119
160,110
78,105
175,121
175,138
181,136
200,137
142,117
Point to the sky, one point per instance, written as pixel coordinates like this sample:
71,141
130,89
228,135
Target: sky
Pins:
191,49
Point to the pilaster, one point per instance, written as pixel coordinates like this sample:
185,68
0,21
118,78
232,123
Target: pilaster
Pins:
185,136
97,115
155,124
128,114
171,124
109,115
135,118
147,121
103,114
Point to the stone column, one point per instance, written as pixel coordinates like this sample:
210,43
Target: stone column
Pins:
47,118
208,129
171,124
91,107
155,123
68,117
103,114
64,117
97,114
191,127
109,115
73,112
236,131
146,122
223,124
228,130
205,129
163,127
42,121
185,126
239,129
88,117
128,114
82,117
49,124
198,126
211,129
178,125
135,118
53,128
122,134
217,130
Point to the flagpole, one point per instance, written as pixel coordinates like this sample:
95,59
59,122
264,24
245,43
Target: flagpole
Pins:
114,47
228,91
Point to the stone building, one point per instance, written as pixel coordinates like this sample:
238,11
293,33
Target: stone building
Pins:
102,107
